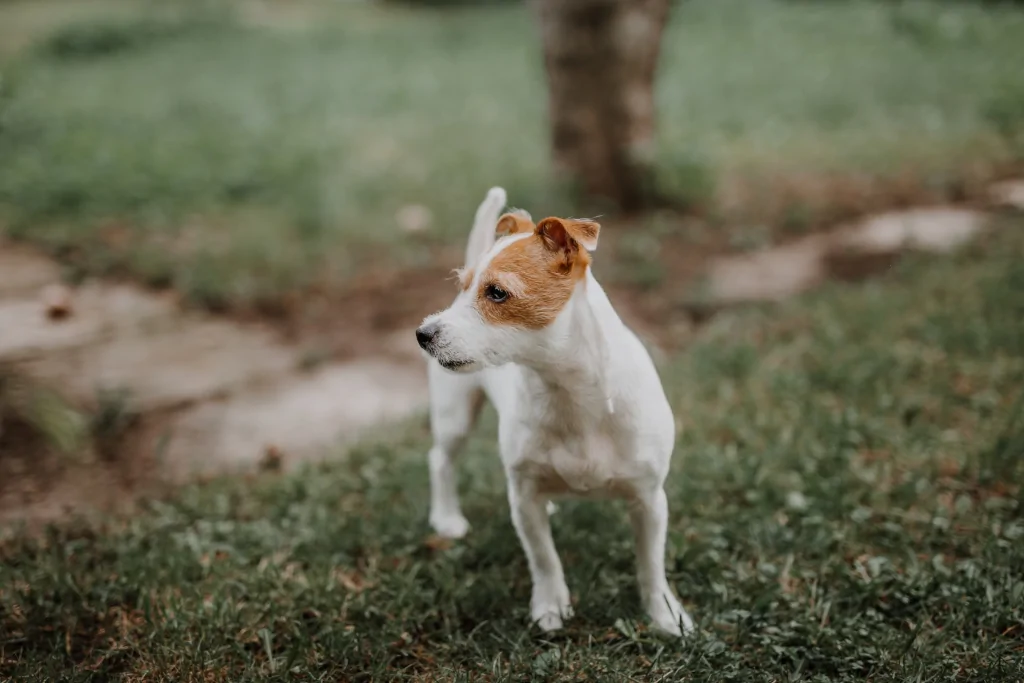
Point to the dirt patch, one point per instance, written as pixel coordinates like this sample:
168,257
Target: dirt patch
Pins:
306,417
850,252
938,230
172,362
795,203
771,274
150,393
40,484
1008,194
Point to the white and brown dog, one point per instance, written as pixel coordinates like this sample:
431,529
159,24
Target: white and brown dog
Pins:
581,408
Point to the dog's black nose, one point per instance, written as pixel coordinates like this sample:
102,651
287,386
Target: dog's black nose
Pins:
426,334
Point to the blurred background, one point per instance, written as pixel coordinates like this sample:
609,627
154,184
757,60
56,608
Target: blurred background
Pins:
221,221
207,198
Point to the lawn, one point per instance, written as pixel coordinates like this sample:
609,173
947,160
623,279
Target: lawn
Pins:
245,151
846,504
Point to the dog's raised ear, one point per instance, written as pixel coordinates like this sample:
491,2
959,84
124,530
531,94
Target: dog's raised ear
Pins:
565,234
513,223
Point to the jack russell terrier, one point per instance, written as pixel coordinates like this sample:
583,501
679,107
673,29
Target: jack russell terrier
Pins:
580,405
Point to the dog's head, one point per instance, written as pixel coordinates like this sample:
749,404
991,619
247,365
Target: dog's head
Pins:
510,300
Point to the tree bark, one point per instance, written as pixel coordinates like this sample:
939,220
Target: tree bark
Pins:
601,57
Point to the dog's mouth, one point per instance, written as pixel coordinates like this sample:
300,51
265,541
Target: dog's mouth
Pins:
453,363
445,361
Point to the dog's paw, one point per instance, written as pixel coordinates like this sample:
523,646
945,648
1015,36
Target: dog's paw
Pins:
449,526
669,617
549,621
549,608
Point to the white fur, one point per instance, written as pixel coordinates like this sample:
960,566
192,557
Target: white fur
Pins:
581,412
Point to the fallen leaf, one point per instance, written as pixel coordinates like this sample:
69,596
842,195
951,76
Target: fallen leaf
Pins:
351,580
272,458
57,301
435,542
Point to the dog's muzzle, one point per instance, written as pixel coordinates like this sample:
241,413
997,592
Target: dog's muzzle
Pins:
428,337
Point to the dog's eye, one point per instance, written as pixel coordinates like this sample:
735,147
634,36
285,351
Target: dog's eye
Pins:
495,293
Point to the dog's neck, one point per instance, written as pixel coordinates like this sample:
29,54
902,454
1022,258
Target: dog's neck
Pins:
572,366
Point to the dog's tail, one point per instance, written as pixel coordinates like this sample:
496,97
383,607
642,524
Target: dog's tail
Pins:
482,236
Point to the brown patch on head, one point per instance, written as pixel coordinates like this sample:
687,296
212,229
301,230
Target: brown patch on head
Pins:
511,283
538,273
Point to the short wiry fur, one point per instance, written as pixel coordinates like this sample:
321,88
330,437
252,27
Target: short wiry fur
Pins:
581,408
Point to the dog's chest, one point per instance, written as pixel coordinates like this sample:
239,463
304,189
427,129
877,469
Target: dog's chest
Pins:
578,465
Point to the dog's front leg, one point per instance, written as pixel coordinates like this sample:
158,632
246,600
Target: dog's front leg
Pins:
455,402
649,515
549,604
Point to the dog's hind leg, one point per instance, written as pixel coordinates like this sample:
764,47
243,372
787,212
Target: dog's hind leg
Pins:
455,402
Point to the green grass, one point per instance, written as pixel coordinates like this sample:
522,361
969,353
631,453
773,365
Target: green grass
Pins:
240,153
846,504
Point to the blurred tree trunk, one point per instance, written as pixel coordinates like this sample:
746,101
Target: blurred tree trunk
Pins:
601,57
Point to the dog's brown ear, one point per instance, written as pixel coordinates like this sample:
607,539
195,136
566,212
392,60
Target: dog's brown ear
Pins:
513,223
565,234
